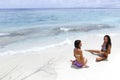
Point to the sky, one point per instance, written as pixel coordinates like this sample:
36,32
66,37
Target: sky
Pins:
59,3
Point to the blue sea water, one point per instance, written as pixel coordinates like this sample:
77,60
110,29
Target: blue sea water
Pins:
27,30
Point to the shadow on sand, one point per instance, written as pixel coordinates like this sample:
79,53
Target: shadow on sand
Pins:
75,67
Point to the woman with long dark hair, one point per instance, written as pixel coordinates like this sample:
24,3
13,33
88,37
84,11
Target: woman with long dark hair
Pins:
105,50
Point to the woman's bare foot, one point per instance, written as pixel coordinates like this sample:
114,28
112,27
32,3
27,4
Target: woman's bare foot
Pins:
85,66
72,61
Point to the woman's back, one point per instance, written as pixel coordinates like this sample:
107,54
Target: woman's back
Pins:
78,55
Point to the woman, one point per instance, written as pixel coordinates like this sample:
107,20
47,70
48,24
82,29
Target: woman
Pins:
80,61
106,49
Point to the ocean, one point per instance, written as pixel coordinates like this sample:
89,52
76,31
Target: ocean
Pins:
30,30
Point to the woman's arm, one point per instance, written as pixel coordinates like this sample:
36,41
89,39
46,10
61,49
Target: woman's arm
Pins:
93,51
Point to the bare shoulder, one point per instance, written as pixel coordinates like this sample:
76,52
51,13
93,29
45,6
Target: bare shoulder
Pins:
80,51
77,50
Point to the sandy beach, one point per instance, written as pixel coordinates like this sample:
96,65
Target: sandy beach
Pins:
105,70
37,39
54,63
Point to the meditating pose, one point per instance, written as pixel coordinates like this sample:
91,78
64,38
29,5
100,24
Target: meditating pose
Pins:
106,49
79,61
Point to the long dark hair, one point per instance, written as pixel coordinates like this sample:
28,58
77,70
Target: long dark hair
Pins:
109,41
77,43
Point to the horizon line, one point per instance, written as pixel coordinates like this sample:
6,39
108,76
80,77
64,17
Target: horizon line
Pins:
59,8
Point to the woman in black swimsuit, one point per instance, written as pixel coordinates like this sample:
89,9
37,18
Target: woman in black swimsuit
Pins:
106,49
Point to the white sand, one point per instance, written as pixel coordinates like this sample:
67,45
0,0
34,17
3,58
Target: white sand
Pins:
105,70
54,63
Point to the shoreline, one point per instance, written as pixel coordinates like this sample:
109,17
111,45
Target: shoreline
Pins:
57,8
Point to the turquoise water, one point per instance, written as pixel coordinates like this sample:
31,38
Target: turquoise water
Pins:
34,30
